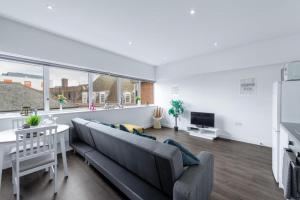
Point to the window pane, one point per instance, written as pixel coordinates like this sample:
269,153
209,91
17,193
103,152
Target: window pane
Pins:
147,93
21,85
129,91
71,84
105,89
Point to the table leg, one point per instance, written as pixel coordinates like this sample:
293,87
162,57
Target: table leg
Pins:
1,162
64,156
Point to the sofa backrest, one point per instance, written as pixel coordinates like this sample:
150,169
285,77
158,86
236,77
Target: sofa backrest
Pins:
83,131
157,163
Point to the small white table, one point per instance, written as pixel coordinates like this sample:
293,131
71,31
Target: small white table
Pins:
8,139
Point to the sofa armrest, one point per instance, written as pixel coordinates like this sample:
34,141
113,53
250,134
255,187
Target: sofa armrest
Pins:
73,136
196,183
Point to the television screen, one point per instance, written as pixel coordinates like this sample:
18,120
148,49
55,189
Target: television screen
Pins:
203,119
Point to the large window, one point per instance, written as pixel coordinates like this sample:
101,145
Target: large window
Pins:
72,84
129,91
105,89
147,90
26,86
21,85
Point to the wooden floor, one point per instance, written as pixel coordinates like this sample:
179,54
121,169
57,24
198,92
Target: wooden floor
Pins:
242,171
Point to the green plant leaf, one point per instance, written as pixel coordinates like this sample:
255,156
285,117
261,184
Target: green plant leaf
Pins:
177,108
33,120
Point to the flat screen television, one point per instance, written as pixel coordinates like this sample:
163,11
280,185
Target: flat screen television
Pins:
203,119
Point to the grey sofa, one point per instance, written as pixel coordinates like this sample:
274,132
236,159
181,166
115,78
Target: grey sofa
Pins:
139,167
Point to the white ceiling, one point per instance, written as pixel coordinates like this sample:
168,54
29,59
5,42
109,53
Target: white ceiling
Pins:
161,31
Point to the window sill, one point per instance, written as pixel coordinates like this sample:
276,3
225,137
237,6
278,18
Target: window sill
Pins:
70,111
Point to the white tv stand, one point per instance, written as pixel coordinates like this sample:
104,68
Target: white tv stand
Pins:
206,133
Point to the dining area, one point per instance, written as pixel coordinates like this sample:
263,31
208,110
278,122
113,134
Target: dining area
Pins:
28,149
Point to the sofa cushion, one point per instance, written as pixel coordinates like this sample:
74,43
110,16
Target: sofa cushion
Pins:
169,165
135,132
131,127
83,131
118,145
143,157
134,187
81,148
188,158
123,128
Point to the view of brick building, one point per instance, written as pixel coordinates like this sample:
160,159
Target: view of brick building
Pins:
14,93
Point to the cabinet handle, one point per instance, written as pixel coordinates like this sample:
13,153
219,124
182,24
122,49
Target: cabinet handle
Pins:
291,143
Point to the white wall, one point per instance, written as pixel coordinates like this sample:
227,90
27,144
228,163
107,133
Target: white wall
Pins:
261,53
243,118
20,39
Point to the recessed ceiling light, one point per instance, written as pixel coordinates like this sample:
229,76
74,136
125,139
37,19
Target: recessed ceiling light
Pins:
192,12
50,7
130,43
216,44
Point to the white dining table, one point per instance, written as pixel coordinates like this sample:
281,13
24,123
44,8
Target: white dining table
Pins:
8,139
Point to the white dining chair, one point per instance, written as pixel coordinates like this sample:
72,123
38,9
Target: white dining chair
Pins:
40,153
18,123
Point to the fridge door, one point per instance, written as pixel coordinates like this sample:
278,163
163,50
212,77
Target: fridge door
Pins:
276,106
276,119
275,154
290,101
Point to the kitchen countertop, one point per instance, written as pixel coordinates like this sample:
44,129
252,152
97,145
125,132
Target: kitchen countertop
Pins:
292,128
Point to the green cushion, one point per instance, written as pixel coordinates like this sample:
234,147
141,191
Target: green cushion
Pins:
187,157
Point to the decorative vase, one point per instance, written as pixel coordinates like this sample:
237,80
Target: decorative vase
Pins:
60,106
139,102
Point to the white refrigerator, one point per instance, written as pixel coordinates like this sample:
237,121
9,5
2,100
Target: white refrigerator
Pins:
286,108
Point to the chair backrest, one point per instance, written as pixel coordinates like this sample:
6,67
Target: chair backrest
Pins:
18,123
35,142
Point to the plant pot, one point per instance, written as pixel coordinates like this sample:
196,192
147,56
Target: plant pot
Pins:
175,128
139,102
60,106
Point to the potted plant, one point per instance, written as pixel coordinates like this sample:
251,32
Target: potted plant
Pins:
61,100
138,100
176,110
33,120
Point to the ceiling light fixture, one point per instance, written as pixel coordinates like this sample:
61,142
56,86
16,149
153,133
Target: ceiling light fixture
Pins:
192,12
50,7
216,44
130,43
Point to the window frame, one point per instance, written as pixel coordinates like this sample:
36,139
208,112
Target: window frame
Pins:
46,66
87,104
41,68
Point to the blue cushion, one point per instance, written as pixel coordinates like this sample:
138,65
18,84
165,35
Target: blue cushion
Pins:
123,128
187,157
136,132
106,124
